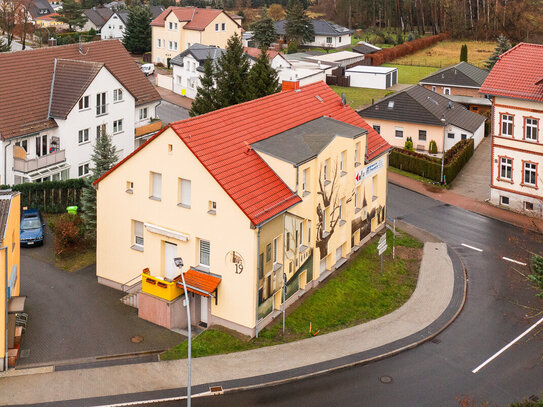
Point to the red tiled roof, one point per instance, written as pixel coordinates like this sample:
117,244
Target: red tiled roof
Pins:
198,18
199,282
255,52
24,104
220,140
517,73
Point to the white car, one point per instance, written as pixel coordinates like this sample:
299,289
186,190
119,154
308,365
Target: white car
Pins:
148,69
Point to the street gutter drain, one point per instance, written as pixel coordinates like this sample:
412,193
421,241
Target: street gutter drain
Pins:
136,339
435,340
385,379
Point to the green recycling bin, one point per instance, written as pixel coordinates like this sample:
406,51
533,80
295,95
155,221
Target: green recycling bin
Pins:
72,210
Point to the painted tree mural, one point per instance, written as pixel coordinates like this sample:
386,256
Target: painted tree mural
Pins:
328,212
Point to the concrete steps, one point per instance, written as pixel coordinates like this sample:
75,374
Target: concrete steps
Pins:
131,299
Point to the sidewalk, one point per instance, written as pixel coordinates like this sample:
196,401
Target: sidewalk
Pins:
464,202
174,98
437,299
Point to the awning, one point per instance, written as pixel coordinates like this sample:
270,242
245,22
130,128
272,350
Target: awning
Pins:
200,283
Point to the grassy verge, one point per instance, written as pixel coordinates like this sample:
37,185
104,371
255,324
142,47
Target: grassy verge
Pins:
447,53
412,74
417,177
358,98
357,293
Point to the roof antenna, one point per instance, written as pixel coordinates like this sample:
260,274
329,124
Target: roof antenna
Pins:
80,47
343,99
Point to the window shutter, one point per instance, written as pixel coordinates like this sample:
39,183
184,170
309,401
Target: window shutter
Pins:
204,252
138,233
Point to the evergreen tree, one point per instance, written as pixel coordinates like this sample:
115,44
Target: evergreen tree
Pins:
137,34
205,102
4,47
298,27
464,53
104,156
232,75
502,46
263,78
264,31
71,13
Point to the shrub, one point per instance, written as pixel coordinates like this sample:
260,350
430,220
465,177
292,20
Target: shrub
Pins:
68,232
292,47
410,37
432,148
537,273
409,144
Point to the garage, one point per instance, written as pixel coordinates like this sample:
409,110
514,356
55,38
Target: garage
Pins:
374,77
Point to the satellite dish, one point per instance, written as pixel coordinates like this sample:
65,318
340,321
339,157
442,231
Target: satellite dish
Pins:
343,99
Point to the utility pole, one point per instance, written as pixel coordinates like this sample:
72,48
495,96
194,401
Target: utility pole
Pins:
179,263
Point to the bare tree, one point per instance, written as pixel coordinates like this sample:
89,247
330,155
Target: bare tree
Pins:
8,12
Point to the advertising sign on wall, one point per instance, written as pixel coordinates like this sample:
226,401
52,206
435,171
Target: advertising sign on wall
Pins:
369,170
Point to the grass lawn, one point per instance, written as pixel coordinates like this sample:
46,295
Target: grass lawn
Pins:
417,177
358,98
357,293
447,53
412,74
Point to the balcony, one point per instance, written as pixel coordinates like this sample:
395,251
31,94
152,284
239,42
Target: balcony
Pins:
147,129
24,165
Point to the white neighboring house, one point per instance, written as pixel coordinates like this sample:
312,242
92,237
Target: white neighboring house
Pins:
327,35
188,68
114,26
77,94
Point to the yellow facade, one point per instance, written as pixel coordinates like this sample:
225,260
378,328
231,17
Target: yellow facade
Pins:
286,246
9,265
167,43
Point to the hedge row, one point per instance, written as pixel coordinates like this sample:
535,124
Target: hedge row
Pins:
430,167
50,196
388,54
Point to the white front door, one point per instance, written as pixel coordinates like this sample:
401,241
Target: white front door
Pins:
338,253
170,252
203,309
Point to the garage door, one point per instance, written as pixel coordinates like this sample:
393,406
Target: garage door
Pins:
388,80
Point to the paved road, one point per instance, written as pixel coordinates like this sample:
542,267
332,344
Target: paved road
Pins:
437,374
168,112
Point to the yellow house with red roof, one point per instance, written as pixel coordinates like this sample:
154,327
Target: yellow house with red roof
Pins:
177,28
262,201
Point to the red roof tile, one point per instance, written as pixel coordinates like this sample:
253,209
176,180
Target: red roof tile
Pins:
255,52
198,18
220,141
24,104
517,74
199,282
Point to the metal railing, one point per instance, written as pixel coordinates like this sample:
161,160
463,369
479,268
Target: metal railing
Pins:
131,284
33,164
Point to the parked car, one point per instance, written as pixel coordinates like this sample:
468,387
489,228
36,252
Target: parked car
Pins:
31,228
148,69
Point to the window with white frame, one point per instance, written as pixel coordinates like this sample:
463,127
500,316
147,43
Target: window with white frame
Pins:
212,207
328,40
144,113
156,185
84,103
101,105
530,174
223,26
175,45
324,225
84,170
356,198
138,233
325,168
117,126
398,133
158,42
506,165
422,135
83,136
275,249
507,125
184,192
446,91
100,130
433,88
308,232
204,258
530,129
342,158
217,27
301,234
305,180
117,95
341,209
357,153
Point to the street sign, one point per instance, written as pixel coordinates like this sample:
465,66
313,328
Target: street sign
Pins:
383,238
382,249
381,245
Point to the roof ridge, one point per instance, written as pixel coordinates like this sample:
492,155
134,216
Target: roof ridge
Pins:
80,61
45,49
424,107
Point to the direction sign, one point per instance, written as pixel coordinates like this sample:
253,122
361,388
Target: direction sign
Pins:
382,249
381,245
383,238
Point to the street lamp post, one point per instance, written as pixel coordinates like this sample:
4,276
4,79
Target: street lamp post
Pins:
179,263
443,147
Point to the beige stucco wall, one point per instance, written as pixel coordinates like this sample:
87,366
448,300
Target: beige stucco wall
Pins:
219,38
388,132
12,242
226,231
282,168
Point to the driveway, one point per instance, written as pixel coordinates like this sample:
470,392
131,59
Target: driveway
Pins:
73,318
474,179
169,113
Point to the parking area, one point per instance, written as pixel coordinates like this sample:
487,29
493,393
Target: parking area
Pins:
73,318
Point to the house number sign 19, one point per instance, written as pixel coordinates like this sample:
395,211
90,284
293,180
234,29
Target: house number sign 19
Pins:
236,260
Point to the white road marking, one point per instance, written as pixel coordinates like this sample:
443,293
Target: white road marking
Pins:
471,247
506,347
514,261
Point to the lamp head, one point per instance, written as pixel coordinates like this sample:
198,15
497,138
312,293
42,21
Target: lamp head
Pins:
178,262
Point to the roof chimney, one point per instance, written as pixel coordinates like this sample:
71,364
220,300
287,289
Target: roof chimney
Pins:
290,85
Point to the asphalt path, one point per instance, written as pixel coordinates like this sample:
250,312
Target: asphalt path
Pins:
169,113
500,306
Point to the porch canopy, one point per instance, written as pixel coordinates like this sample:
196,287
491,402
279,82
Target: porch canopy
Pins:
200,283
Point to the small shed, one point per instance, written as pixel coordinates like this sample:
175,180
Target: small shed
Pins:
341,58
374,77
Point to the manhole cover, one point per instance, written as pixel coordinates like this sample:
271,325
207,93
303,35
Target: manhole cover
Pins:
25,353
385,379
136,339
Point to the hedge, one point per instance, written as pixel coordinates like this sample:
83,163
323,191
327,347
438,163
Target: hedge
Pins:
430,167
50,196
389,54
